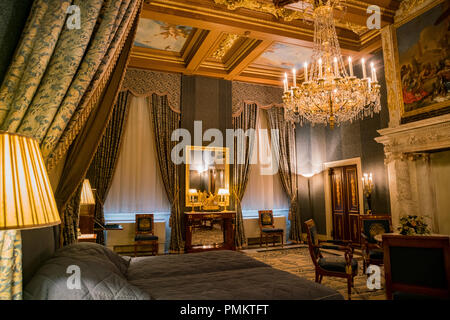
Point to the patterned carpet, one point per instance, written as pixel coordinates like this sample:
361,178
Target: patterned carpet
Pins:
298,261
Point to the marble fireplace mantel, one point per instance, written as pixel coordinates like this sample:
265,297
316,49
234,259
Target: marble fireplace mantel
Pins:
419,136
407,150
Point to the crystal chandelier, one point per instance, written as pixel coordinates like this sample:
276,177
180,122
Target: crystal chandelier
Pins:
329,95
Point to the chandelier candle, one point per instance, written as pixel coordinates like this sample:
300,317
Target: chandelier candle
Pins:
294,79
320,68
329,95
336,72
363,63
350,66
306,71
286,86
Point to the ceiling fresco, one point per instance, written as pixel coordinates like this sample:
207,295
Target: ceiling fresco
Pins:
285,56
245,40
161,35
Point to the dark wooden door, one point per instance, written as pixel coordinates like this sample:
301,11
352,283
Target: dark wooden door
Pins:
345,203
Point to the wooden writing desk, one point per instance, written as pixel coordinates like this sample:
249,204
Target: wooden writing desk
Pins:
193,217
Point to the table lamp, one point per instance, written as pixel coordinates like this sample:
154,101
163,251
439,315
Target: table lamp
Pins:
87,208
26,196
223,193
26,202
192,194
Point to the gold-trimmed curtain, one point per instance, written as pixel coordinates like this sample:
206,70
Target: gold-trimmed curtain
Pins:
55,79
165,121
102,168
286,148
241,165
10,265
85,145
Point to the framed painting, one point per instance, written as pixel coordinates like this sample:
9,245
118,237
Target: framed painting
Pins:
421,52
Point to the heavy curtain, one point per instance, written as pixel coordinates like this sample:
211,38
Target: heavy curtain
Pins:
57,76
137,186
241,165
102,168
285,147
85,145
265,190
165,121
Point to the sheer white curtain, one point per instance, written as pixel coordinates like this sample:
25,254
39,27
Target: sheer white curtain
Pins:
137,185
264,191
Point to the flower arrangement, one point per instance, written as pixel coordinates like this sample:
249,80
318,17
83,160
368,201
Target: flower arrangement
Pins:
412,225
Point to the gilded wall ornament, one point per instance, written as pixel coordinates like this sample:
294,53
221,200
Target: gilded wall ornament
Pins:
287,14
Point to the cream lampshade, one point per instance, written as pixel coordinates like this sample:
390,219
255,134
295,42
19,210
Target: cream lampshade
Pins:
223,193
26,197
87,196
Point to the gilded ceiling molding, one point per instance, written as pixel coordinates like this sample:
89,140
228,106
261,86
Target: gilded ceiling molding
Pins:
256,5
225,45
144,83
247,93
409,8
287,14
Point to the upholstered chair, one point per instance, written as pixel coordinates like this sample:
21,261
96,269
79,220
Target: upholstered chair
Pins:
144,235
333,266
371,226
267,228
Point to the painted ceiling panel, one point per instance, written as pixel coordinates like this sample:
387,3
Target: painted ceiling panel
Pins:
286,56
161,35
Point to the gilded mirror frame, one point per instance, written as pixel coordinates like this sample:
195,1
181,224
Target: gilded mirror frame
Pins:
188,150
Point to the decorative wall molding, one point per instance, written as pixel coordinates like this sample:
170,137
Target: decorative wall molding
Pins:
143,83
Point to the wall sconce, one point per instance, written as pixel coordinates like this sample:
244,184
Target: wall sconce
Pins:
367,189
223,194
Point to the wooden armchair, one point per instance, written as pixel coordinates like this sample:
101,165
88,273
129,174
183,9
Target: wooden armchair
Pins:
342,267
372,225
416,267
144,235
267,228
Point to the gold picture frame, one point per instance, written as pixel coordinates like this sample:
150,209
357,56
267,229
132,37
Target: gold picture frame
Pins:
409,10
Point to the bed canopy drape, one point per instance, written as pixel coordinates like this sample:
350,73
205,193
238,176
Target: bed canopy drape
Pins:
58,78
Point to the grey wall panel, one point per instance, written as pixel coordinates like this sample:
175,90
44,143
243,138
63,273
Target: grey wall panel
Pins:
349,140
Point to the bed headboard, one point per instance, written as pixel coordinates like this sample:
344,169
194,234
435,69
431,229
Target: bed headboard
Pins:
37,246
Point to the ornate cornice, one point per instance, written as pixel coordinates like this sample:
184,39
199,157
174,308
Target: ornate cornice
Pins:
416,137
256,5
409,8
286,14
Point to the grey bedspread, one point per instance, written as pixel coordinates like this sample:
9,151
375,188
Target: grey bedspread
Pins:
216,275
220,275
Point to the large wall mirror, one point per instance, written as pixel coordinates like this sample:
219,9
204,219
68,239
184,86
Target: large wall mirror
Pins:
207,177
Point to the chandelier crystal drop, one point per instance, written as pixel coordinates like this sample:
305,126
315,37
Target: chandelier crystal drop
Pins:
330,95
